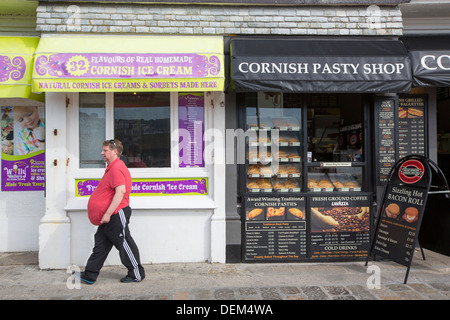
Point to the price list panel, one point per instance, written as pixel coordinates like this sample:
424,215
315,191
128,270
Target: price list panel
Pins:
397,228
386,149
411,126
275,240
275,228
400,131
395,240
340,226
191,117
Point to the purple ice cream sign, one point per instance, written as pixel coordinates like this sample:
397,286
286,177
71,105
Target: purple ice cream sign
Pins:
152,187
117,66
12,68
25,174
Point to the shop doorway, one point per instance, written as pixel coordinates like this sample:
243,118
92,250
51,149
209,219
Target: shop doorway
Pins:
443,130
436,220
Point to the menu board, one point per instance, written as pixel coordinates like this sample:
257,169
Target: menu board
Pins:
386,148
401,211
411,125
275,228
191,127
340,226
398,224
400,131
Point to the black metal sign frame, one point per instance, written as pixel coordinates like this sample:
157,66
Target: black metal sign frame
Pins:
400,214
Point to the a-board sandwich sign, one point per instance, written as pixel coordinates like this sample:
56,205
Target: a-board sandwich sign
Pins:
402,209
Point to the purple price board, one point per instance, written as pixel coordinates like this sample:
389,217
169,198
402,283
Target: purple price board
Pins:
191,126
26,174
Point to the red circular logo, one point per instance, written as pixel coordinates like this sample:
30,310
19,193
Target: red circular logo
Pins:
411,171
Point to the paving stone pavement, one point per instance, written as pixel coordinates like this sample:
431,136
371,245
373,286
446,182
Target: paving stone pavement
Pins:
21,278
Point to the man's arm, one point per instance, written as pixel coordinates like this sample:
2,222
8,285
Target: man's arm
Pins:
118,196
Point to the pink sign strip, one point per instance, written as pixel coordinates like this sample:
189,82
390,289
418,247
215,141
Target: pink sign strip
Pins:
113,66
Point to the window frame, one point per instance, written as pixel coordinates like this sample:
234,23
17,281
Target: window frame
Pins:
73,158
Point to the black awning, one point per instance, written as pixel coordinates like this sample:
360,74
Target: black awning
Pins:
319,65
430,60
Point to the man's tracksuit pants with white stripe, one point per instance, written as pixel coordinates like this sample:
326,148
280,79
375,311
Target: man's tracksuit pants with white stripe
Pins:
115,233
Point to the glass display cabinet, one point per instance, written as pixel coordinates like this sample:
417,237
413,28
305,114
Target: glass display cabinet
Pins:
304,186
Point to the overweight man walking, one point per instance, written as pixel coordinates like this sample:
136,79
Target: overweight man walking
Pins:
108,208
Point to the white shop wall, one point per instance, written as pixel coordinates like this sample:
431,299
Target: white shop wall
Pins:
166,228
20,213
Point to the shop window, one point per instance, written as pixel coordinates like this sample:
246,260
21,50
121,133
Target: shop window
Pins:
335,142
273,123
92,115
303,142
335,128
142,123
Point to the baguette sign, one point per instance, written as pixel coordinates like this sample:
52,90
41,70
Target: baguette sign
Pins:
401,212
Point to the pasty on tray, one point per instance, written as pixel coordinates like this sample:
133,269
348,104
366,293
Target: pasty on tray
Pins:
324,183
253,169
266,170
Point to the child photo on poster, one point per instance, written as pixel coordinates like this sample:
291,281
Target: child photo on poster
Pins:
30,135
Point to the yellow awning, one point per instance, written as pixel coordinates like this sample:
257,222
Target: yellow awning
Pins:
128,64
16,62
